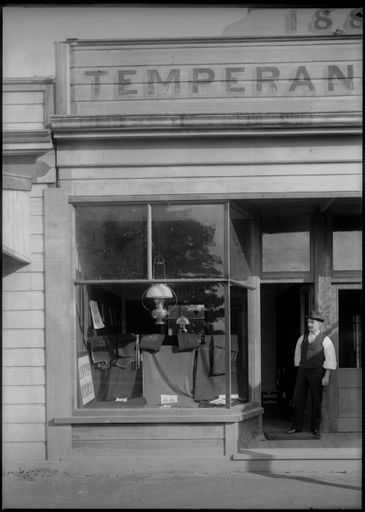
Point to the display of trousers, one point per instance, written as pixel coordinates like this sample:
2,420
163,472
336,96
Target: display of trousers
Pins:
118,382
168,372
219,353
208,386
308,378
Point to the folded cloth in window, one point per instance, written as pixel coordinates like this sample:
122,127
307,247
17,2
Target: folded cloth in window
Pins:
151,342
219,353
188,341
125,344
126,363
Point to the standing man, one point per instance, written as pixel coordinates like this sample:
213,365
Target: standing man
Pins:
315,355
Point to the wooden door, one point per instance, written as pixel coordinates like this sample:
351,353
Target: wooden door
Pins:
349,373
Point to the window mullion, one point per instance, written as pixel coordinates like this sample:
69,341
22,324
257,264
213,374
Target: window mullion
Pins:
149,242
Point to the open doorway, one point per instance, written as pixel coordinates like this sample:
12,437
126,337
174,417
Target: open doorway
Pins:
283,310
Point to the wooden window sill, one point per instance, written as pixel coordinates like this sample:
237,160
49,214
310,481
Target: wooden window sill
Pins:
201,415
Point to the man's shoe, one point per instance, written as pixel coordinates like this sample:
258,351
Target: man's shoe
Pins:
293,430
315,432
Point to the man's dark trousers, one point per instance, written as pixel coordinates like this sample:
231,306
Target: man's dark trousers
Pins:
308,378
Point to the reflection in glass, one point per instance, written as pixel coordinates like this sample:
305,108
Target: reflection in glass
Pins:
111,241
240,246
239,337
286,244
189,239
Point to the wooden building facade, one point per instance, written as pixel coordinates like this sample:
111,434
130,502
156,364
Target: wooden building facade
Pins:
228,169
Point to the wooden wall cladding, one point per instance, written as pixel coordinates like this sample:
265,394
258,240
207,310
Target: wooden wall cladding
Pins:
27,104
150,439
24,348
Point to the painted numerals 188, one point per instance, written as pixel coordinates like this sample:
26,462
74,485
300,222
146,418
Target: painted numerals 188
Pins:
322,20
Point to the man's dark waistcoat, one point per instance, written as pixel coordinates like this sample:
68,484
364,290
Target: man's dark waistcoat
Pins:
312,354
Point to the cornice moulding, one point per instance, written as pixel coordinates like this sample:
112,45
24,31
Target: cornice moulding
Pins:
204,125
218,40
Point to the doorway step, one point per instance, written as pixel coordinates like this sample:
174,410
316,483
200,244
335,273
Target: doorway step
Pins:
332,452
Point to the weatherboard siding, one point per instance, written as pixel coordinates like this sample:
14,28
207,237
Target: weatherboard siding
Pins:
24,432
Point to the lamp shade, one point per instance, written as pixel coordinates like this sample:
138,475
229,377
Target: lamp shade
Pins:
182,320
159,291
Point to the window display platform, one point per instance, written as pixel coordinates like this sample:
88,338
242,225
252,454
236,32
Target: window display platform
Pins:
115,412
152,432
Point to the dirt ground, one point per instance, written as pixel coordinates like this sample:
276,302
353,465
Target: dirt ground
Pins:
174,490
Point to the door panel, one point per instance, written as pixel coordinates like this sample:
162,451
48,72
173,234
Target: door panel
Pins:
349,373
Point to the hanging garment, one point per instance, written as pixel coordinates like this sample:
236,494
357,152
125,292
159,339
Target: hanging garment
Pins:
219,353
168,373
151,342
122,383
188,341
209,386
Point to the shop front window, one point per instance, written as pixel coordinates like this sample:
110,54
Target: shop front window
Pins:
240,245
190,240
195,355
111,241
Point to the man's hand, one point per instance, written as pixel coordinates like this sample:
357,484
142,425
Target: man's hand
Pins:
326,380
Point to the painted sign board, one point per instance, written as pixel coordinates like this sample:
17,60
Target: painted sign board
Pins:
312,73
85,378
300,21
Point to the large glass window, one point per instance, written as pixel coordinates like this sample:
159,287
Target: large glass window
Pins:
240,245
111,241
286,244
195,355
189,239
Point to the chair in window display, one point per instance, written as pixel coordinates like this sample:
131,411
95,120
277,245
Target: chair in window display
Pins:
102,353
123,379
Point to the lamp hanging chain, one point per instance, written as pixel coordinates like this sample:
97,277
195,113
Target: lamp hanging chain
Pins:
158,260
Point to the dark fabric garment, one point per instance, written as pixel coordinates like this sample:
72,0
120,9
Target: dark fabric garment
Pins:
125,345
207,386
121,383
168,372
308,378
122,339
312,354
151,342
219,353
188,341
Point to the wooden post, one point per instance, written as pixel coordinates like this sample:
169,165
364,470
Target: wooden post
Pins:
59,321
254,321
62,103
325,301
